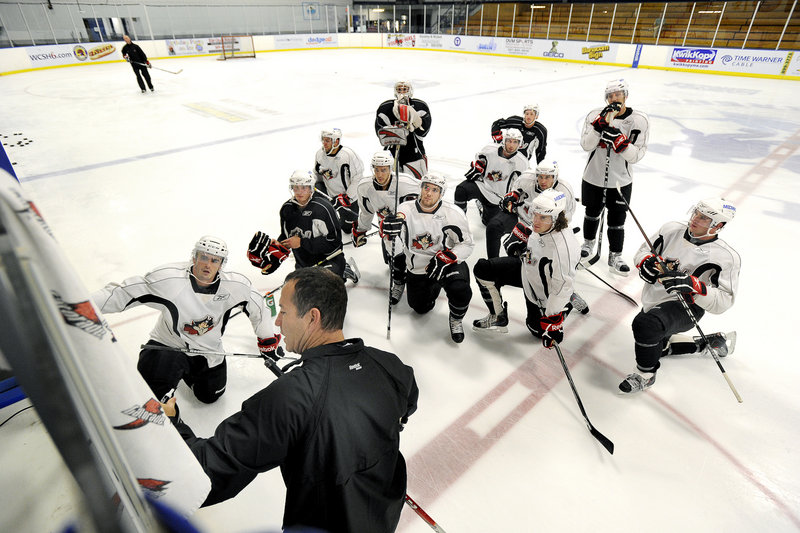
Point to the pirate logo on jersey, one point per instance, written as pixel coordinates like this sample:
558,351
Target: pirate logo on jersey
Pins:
423,242
326,173
144,414
83,316
199,327
494,175
384,212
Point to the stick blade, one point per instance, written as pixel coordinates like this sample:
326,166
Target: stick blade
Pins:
602,439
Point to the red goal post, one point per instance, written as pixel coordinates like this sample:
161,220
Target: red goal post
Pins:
235,46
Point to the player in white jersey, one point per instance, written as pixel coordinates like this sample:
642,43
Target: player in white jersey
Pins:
549,255
703,269
379,195
615,137
490,177
530,184
415,115
196,299
436,241
338,170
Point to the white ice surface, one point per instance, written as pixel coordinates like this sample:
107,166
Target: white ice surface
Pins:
129,181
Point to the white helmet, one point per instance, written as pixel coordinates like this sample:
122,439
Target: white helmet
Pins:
302,178
615,86
435,179
550,203
717,209
403,83
334,134
547,169
382,159
531,107
211,246
512,133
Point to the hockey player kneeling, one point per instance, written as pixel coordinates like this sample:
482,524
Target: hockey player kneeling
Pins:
436,241
701,268
542,260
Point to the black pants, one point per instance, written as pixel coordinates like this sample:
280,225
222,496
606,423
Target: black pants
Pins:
162,370
399,263
652,330
499,272
422,291
502,223
592,199
142,72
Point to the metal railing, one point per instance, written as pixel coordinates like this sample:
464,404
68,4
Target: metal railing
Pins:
768,24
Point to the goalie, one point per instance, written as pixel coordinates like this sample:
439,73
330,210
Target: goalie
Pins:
414,114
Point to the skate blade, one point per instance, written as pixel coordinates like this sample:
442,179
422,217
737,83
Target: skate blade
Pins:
493,329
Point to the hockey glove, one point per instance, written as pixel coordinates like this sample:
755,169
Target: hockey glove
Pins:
552,329
149,65
648,268
265,253
510,201
615,138
516,243
407,115
344,209
359,237
477,169
391,226
269,347
601,121
679,282
440,262
497,136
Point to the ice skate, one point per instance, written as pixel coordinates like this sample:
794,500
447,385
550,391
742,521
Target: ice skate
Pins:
398,287
456,329
578,303
351,271
637,382
498,322
616,265
587,247
723,343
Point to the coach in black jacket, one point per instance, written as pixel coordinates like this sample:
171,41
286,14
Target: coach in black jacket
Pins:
332,424
134,55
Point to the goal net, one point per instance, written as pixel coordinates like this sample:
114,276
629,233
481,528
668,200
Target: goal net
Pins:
234,46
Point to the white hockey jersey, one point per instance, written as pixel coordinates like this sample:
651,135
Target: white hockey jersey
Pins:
188,319
500,172
340,172
636,126
526,184
427,233
713,262
548,269
374,200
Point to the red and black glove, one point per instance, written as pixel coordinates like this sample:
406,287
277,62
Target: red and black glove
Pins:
359,237
344,208
615,138
149,65
510,201
265,253
269,347
648,268
516,243
682,283
497,136
391,226
477,169
440,262
601,121
552,329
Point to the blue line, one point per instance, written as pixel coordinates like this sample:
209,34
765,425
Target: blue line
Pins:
209,144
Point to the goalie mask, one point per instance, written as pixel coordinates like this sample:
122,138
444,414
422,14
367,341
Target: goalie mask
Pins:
335,135
211,246
402,89
617,86
546,176
719,210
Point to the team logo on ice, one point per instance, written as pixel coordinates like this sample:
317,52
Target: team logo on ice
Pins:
83,316
144,414
200,327
422,242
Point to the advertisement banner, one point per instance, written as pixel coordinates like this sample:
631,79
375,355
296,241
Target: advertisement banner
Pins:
727,60
316,40
68,54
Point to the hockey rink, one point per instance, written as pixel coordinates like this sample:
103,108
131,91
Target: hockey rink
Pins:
129,181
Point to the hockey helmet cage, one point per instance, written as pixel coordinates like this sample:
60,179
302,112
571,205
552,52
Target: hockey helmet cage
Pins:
531,107
717,209
382,159
302,178
211,246
616,86
403,84
550,203
435,179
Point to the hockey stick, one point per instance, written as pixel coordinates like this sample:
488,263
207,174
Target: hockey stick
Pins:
685,305
269,363
607,444
609,117
157,68
628,298
422,514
